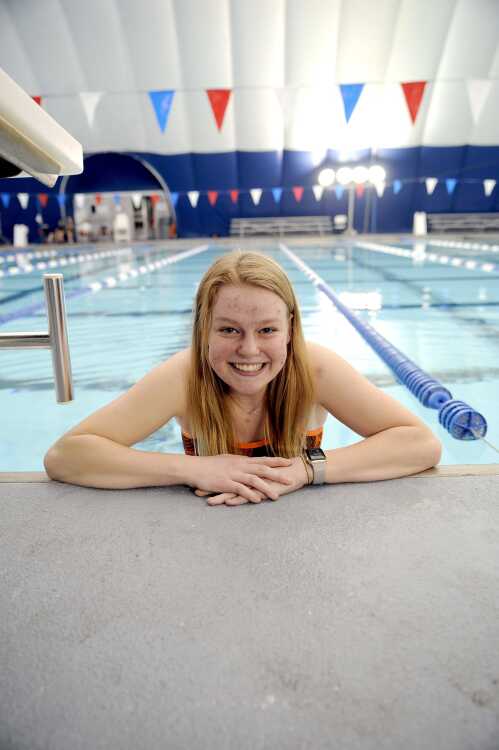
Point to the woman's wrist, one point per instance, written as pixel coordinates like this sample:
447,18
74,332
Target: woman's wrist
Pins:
306,470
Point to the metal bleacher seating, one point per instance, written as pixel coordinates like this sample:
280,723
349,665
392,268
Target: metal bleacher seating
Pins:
474,222
281,225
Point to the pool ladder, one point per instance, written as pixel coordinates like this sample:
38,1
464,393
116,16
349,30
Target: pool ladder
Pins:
56,339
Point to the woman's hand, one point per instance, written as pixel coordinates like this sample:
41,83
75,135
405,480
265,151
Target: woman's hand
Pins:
295,473
246,477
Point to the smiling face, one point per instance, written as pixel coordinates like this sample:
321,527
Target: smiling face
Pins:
248,337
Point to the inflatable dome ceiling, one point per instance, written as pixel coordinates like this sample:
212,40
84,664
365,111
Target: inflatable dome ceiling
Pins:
239,104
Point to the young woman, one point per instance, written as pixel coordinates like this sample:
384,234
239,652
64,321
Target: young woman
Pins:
251,397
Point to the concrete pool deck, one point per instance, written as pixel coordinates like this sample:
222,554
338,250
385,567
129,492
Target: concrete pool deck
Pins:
355,616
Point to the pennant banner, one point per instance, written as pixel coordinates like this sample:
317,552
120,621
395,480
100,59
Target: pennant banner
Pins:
298,193
413,93
397,187
431,183
256,194
380,188
37,99
350,93
5,199
212,196
79,200
61,199
359,191
478,92
23,199
162,102
277,192
234,195
43,198
174,197
338,189
89,101
488,186
450,184
219,98
318,190
193,196
117,199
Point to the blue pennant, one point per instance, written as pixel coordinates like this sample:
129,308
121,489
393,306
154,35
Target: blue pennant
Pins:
162,102
174,197
451,184
350,93
5,199
61,198
338,189
397,186
277,192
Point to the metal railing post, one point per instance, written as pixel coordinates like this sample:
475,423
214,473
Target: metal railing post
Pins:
56,339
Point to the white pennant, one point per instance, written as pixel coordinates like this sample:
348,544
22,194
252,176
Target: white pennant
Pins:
431,183
89,101
488,186
256,194
478,91
23,199
318,190
79,200
193,197
380,188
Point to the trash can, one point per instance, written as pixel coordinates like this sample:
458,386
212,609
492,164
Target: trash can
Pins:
20,235
419,225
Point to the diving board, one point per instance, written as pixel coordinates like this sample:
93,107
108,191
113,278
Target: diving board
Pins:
31,141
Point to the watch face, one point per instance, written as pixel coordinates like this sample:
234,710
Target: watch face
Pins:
316,454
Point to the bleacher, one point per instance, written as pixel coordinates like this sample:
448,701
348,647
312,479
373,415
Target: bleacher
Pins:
281,225
474,222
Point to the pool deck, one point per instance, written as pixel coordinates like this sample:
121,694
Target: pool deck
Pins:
353,617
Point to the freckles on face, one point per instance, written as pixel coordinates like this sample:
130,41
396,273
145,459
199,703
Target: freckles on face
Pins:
249,329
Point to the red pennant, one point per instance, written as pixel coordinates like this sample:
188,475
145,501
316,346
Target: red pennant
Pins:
43,198
98,199
298,193
37,99
154,199
413,93
234,194
359,190
219,98
212,196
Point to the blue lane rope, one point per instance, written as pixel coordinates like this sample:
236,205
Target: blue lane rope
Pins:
457,417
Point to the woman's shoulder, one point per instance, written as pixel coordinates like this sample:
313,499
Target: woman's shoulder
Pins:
318,357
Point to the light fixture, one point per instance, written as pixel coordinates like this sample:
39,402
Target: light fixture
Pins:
377,173
326,177
344,175
360,175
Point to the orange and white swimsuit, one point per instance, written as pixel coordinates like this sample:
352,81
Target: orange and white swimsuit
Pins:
256,448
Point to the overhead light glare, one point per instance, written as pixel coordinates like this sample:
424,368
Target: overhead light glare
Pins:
326,177
344,175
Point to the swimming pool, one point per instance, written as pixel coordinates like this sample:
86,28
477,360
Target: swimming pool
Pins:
128,310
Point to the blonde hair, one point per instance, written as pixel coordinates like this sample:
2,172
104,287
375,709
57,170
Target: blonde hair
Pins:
289,396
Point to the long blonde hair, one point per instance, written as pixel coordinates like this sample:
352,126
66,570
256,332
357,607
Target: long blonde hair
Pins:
289,396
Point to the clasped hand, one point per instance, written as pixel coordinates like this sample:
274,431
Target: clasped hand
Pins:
235,480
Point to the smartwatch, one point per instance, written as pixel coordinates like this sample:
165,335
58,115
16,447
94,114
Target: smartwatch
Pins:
317,460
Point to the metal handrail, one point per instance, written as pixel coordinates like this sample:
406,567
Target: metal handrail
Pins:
56,339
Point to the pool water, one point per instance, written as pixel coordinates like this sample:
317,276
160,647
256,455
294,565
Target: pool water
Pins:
128,310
